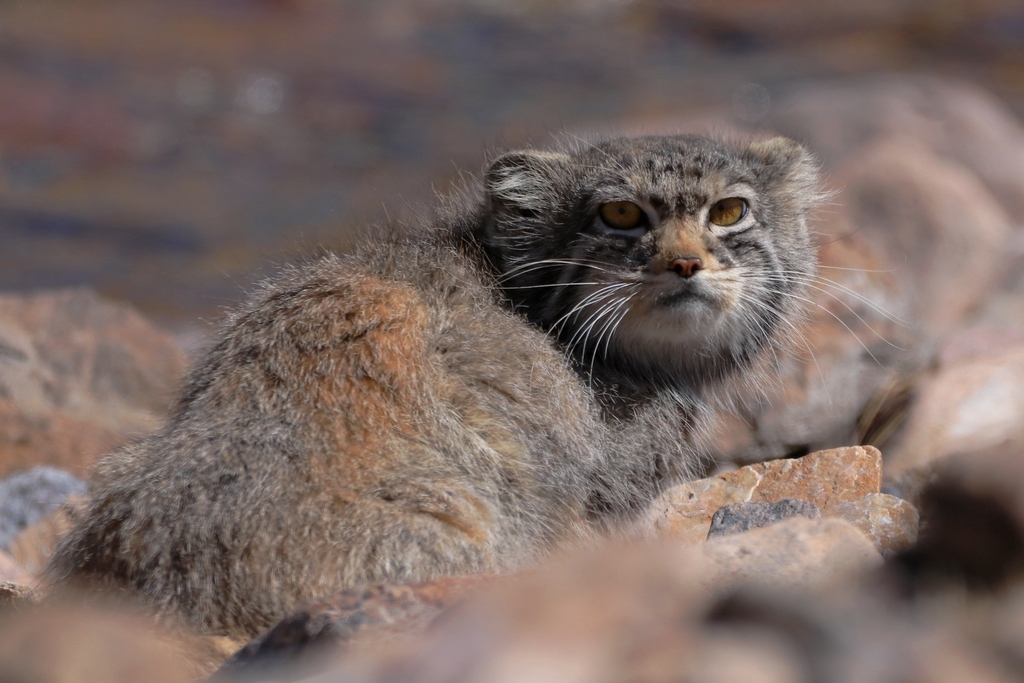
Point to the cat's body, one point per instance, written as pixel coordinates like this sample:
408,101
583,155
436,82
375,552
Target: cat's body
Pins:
522,374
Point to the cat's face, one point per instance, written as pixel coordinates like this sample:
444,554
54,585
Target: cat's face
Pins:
669,260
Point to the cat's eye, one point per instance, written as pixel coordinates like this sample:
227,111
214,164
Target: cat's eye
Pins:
622,215
728,211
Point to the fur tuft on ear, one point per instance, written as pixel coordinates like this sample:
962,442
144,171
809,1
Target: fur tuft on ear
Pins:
792,167
777,151
522,180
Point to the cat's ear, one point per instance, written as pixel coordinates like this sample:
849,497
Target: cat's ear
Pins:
780,153
523,182
788,166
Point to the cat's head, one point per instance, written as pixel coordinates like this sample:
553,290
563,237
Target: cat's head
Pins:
665,260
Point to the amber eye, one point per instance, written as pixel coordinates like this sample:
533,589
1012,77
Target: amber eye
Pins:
622,215
728,211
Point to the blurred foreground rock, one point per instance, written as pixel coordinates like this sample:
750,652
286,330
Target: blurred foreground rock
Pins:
78,375
58,643
344,621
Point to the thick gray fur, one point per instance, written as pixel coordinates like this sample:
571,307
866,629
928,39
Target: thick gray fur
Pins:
454,397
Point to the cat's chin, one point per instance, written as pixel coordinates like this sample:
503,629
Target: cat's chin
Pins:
685,322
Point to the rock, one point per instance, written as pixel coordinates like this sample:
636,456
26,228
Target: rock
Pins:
87,645
963,407
655,613
740,517
797,552
11,572
78,375
932,218
910,484
751,659
962,122
615,614
29,496
351,618
17,595
850,636
890,522
977,342
56,439
825,479
33,547
972,521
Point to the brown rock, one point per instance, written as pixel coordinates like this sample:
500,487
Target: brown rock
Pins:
32,548
685,511
56,439
617,614
11,571
965,124
826,478
890,522
932,217
61,643
910,484
751,658
972,517
964,407
351,618
798,552
77,376
17,595
643,613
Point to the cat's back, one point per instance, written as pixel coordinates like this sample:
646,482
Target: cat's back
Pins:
345,383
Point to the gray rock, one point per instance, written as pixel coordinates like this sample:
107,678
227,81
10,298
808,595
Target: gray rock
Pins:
28,496
740,517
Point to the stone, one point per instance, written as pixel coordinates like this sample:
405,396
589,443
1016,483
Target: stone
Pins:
11,571
797,552
890,522
825,479
350,618
740,517
972,519
58,642
910,484
29,496
932,217
17,595
33,547
78,376
966,406
612,614
959,120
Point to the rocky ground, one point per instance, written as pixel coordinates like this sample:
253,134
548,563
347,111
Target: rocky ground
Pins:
882,539
864,522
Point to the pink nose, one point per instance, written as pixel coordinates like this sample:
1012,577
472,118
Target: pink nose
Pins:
686,266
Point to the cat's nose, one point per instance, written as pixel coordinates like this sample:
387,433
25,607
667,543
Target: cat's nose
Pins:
686,266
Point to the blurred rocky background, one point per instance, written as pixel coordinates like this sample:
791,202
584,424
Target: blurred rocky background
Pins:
158,156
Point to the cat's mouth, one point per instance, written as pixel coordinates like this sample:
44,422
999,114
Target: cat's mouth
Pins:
687,294
695,295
